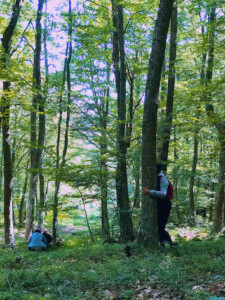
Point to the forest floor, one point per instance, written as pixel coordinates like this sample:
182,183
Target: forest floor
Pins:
76,269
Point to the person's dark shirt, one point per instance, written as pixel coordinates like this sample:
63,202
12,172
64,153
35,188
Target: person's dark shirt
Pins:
48,237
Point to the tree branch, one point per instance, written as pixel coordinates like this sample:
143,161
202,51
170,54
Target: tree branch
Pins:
22,37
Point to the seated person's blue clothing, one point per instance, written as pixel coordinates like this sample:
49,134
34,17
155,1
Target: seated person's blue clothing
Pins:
37,241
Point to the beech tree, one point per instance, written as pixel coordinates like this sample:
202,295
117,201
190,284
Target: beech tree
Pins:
61,164
148,230
119,63
99,94
37,102
5,121
170,90
218,122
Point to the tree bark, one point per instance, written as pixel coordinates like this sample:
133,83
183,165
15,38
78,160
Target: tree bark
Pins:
175,179
42,129
192,177
104,150
57,180
58,165
23,196
8,199
220,197
148,230
203,80
170,89
36,100
211,24
218,122
126,225
129,125
1,179
8,188
137,177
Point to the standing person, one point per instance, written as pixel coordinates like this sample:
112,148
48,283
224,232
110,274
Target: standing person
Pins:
163,204
37,241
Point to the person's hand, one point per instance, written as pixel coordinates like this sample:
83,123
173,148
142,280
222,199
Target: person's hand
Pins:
145,191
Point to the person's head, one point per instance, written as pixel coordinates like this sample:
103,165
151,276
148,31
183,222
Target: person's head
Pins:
41,229
38,230
158,168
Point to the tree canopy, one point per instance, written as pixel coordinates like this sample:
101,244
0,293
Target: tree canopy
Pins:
76,128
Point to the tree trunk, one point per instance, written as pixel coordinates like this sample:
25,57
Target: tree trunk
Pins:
211,30
170,89
8,207
126,225
58,165
57,181
42,129
175,179
212,202
203,80
148,230
23,197
41,142
8,199
220,198
104,169
129,125
163,85
137,181
36,100
1,178
216,120
192,177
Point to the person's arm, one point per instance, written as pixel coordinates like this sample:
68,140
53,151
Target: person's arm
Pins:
158,194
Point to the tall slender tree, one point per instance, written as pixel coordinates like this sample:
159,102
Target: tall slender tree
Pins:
219,123
21,217
104,111
170,89
67,78
42,129
148,230
126,225
36,101
5,110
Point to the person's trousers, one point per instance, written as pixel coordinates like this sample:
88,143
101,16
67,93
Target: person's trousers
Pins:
164,208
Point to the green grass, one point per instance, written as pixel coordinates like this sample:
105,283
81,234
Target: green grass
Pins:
78,269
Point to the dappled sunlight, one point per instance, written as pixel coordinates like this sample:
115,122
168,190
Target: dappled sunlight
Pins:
189,233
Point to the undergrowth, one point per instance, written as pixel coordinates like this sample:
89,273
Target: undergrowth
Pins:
79,269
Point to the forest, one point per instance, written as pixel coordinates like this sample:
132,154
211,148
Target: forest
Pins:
94,94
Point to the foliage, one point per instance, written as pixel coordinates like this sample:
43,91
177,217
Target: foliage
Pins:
78,269
91,60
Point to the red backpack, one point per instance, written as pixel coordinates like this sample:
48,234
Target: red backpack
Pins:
170,188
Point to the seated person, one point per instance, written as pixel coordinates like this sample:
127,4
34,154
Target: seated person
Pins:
48,237
37,241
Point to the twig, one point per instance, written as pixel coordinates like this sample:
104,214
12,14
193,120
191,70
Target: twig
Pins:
98,4
139,101
137,12
18,163
21,38
89,228
29,43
